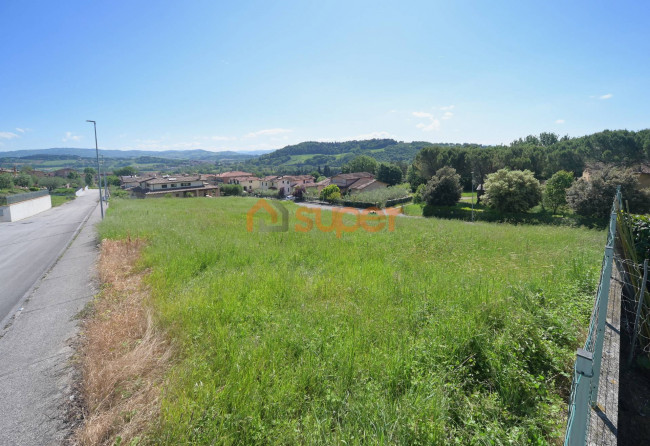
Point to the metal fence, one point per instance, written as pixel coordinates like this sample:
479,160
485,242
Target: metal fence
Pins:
17,198
584,389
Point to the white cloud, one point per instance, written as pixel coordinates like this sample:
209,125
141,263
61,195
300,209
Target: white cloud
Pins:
606,96
266,132
8,135
559,121
448,107
20,130
70,137
422,115
223,138
434,123
447,115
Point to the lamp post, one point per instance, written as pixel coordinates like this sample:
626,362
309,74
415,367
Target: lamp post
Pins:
99,172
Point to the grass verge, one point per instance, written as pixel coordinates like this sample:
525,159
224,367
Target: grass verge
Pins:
58,200
124,358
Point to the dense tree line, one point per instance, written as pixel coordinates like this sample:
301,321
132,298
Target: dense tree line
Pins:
543,155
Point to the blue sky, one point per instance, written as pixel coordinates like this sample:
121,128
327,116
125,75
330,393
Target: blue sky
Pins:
247,75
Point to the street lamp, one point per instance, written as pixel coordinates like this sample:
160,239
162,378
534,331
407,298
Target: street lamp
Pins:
99,172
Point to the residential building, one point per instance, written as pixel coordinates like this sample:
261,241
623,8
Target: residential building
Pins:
356,182
227,177
176,186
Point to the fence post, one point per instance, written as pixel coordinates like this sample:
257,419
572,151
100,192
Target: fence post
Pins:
577,429
638,310
603,303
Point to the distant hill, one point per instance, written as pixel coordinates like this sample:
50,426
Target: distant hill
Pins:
310,155
198,155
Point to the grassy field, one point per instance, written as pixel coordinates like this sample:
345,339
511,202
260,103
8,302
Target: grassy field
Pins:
439,332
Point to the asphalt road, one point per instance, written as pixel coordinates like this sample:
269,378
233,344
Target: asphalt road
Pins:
29,247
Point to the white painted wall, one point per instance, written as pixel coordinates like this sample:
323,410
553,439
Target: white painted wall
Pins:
24,209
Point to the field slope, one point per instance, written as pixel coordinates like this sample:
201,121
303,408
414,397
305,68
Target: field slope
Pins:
440,331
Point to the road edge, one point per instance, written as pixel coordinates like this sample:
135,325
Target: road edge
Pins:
7,321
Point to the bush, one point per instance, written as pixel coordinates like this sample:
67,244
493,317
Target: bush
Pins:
419,193
331,193
443,189
23,180
6,181
594,198
512,190
231,189
554,196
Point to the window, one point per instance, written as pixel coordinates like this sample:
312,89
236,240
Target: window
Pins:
173,185
185,184
164,186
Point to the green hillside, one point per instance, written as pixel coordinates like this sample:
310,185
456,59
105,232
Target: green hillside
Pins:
310,155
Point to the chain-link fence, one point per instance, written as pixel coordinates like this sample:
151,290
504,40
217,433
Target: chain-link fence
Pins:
584,389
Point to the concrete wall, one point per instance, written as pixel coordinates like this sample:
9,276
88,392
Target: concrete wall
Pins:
24,209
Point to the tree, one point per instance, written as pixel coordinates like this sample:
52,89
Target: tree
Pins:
593,197
73,175
443,189
361,163
125,171
330,193
512,190
299,192
327,171
231,189
6,181
113,180
554,195
89,179
51,183
389,173
23,180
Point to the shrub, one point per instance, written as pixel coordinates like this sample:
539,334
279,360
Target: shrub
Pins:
419,193
23,180
593,198
331,193
231,189
443,189
512,190
555,189
6,181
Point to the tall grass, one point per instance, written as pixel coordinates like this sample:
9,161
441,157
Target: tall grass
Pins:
438,332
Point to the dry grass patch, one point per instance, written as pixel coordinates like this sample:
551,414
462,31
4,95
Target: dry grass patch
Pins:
123,356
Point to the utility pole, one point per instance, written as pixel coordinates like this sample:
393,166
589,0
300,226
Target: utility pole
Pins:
99,172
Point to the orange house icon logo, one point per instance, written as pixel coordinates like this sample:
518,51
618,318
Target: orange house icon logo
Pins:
273,212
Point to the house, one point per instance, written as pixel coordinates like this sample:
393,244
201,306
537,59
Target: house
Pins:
356,182
227,177
175,186
266,183
248,183
63,173
131,181
318,187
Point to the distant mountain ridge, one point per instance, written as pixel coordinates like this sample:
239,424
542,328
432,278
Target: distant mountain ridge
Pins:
196,154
